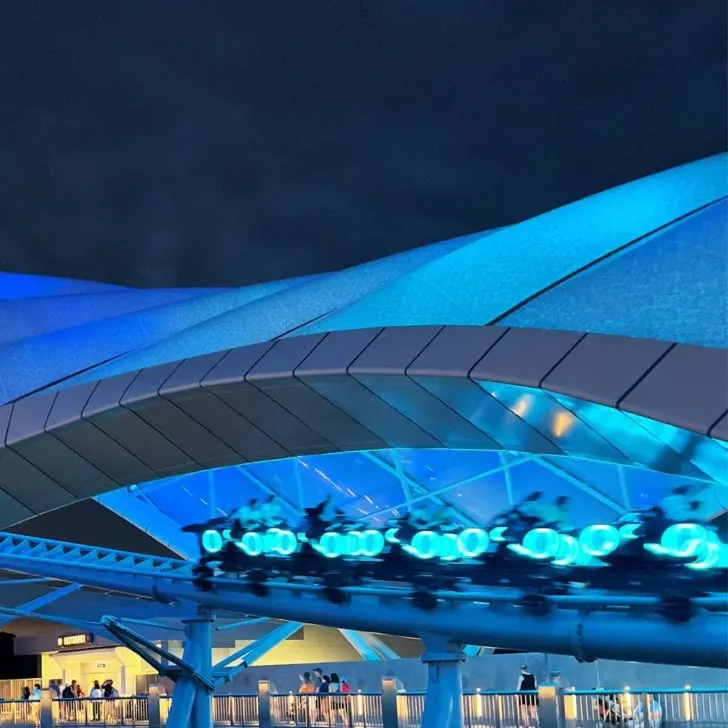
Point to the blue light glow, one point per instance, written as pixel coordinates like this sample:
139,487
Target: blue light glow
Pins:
681,541
542,543
212,541
599,540
641,289
526,258
665,287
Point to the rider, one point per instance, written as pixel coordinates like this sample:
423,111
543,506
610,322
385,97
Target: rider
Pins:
270,512
247,516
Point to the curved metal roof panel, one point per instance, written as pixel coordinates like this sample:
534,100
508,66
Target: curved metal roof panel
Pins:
485,280
31,364
282,311
672,286
27,318
640,260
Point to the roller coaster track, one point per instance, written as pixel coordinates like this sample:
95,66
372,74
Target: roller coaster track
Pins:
589,624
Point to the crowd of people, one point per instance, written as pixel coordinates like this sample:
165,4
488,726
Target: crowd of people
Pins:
72,696
322,698
72,691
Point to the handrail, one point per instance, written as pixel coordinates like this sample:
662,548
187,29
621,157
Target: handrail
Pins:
567,691
646,691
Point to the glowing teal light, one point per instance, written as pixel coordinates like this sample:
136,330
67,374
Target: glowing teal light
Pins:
568,552
372,543
449,547
331,544
472,542
212,541
628,531
599,540
252,543
709,553
684,540
390,535
542,543
498,534
424,545
286,542
354,543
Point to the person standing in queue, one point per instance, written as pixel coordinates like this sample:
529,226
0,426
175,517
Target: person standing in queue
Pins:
527,701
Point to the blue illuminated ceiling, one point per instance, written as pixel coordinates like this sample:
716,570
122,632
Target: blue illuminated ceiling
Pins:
374,486
641,260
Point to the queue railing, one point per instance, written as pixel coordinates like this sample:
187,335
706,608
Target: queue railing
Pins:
656,708
127,711
18,713
235,710
481,709
303,710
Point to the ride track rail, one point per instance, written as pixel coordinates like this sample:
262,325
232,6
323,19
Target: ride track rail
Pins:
39,551
582,625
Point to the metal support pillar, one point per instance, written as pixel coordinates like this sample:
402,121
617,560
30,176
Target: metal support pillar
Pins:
550,707
192,701
264,712
390,718
444,699
153,707
201,636
45,709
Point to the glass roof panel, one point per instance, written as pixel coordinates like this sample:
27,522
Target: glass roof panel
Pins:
646,487
604,477
353,480
477,484
438,468
584,509
480,499
190,499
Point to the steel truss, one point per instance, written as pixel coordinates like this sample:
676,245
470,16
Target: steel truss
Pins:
588,626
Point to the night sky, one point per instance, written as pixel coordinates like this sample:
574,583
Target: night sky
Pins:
157,143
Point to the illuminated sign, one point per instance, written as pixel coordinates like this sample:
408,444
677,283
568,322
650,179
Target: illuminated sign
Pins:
75,640
682,540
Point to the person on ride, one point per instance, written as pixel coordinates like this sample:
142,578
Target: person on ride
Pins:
270,513
444,519
319,518
682,505
522,517
417,519
246,518
529,510
555,515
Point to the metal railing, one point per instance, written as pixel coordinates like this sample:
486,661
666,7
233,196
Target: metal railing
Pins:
21,713
481,709
13,689
301,710
235,710
658,708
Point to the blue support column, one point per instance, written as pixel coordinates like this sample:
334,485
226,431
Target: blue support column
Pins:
192,700
201,636
444,699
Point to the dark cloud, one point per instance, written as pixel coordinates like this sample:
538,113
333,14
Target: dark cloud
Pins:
180,143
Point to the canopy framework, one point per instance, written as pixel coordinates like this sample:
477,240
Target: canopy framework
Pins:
545,393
